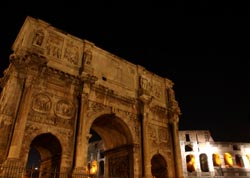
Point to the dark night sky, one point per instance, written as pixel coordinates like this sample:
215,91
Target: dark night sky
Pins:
199,50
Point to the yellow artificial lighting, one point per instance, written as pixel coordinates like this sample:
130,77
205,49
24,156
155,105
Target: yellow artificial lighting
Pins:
216,159
190,159
228,160
92,167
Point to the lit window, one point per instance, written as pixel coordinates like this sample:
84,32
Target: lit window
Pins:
190,160
228,160
216,160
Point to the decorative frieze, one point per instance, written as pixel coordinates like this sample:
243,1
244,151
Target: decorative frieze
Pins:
112,98
32,129
94,107
54,44
160,112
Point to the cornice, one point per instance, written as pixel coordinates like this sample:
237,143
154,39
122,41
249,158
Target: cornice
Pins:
111,93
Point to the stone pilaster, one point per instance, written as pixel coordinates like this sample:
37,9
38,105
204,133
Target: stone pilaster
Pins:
82,139
176,145
144,109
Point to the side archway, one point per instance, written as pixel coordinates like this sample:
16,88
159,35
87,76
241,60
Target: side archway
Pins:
159,166
45,153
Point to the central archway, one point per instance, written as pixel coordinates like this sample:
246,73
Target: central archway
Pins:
116,153
48,148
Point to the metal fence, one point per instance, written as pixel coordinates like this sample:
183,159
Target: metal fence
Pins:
20,172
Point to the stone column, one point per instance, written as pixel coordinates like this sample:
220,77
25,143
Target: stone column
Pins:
82,139
14,164
176,146
173,115
10,101
147,165
83,136
17,139
146,162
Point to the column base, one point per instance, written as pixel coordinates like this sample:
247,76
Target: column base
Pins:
12,168
80,172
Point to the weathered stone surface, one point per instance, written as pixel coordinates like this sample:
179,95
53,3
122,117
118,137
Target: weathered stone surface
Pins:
62,87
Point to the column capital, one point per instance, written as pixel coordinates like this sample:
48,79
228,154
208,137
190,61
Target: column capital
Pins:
174,120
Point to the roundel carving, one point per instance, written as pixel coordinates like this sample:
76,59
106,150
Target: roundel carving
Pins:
41,103
64,109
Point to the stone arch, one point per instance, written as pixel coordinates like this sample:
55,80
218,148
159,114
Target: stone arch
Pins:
50,149
204,162
109,126
117,144
128,128
159,166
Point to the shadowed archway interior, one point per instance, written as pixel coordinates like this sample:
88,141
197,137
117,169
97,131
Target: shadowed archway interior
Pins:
158,166
48,148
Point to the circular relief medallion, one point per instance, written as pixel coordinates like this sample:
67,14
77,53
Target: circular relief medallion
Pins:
64,109
41,103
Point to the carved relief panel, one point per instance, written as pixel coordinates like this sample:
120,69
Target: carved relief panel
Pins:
159,137
72,52
51,43
54,44
152,86
52,110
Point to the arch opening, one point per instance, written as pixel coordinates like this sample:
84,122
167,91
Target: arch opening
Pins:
158,166
111,146
44,157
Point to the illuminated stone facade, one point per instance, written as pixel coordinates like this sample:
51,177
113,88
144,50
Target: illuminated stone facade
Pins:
58,88
204,158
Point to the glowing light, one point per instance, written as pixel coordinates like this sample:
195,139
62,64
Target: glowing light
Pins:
228,160
216,159
92,167
190,160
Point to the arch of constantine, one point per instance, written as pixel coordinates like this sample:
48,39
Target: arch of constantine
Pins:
58,90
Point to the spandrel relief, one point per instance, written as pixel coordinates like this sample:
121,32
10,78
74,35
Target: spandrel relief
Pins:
41,103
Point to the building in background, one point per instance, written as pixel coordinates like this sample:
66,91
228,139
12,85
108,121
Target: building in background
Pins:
202,157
